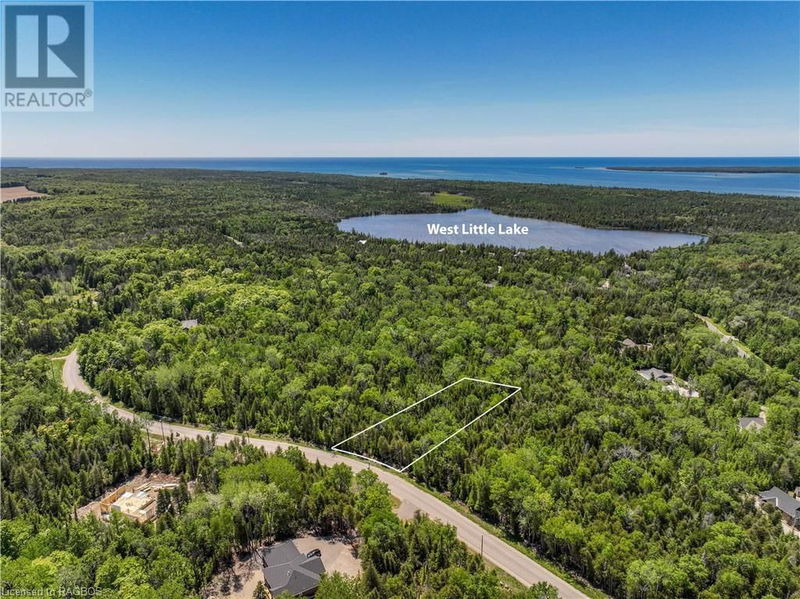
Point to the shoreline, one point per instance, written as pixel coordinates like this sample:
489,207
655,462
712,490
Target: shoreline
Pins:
299,174
601,173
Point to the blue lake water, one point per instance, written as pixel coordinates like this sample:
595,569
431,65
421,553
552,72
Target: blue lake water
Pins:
572,171
541,233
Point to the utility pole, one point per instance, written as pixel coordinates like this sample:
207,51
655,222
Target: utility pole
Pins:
481,546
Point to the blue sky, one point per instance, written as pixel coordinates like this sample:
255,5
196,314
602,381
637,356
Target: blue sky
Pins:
444,79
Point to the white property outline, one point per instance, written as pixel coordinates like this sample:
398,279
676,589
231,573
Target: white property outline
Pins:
416,403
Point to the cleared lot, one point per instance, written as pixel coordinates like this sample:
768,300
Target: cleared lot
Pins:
12,194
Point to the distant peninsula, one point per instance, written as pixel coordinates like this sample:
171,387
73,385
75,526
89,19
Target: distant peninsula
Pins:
709,169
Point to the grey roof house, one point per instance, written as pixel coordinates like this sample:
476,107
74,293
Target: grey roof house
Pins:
286,570
785,503
755,423
629,343
656,374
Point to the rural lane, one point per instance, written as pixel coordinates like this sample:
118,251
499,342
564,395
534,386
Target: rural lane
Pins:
412,499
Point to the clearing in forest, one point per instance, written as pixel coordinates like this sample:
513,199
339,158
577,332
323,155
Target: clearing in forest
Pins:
18,192
402,439
452,200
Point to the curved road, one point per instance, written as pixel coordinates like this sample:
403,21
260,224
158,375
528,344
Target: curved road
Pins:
412,499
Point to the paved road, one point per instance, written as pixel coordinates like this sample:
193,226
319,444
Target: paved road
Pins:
412,498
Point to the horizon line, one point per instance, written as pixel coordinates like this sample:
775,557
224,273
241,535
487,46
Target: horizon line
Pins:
370,157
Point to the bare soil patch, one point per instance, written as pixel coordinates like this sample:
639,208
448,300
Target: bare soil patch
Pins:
140,480
337,555
20,192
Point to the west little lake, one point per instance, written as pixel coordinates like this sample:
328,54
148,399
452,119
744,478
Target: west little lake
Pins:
477,226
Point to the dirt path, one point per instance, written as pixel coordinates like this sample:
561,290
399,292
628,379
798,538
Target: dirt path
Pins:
412,499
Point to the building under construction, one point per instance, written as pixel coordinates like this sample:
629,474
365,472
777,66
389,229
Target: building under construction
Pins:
137,502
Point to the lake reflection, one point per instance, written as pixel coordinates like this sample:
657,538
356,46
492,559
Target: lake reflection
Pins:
541,233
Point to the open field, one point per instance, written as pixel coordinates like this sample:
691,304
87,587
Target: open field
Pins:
452,200
19,192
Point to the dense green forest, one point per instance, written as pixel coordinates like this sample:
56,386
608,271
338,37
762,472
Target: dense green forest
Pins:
305,334
58,451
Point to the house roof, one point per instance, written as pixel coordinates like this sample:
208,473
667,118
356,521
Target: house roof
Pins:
279,554
781,500
655,374
189,324
754,422
629,343
287,579
288,570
